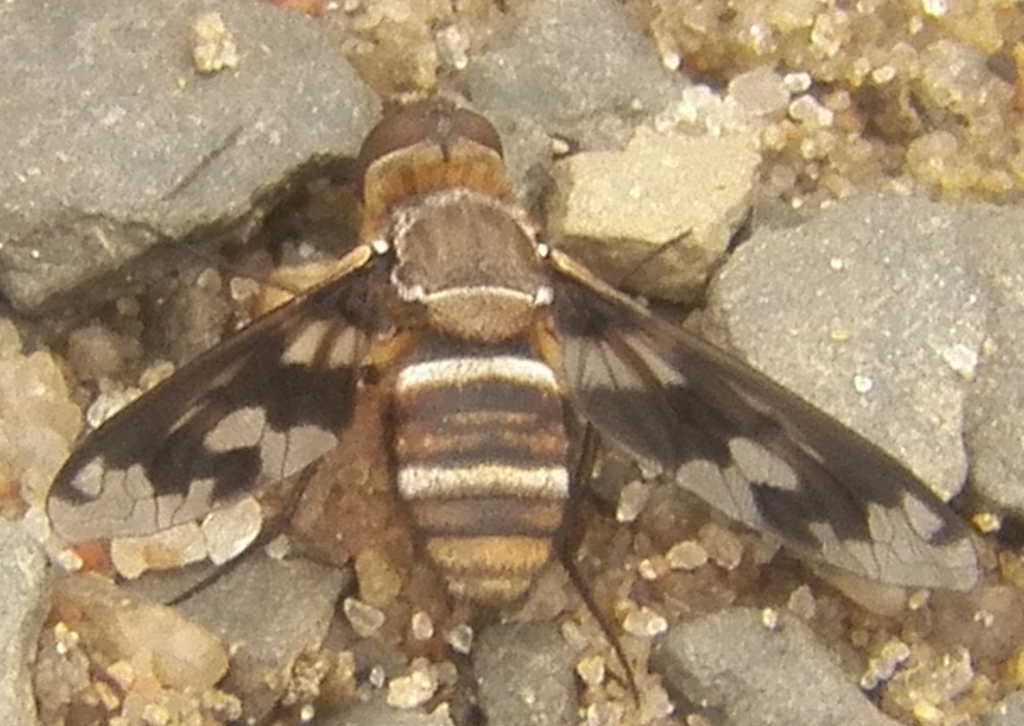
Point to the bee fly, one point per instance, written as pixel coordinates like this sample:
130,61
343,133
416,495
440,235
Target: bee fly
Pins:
490,343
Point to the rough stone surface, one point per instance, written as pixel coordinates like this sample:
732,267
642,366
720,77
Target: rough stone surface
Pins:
270,611
115,143
730,663
864,311
659,213
22,609
567,61
525,675
577,69
995,412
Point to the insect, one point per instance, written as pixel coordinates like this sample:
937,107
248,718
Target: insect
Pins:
483,342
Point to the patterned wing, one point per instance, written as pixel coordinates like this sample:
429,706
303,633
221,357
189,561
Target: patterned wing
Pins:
749,447
252,411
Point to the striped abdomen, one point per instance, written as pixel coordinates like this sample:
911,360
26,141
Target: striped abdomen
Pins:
481,450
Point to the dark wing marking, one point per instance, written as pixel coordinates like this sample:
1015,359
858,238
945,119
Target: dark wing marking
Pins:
257,408
749,447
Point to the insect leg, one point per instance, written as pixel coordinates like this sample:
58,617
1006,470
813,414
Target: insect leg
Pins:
568,544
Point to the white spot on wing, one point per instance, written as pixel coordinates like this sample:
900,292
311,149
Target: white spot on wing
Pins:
880,525
763,466
853,555
343,348
173,509
284,454
897,549
601,366
657,365
897,553
273,450
122,505
238,430
705,479
598,367
305,445
925,521
303,349
135,482
89,479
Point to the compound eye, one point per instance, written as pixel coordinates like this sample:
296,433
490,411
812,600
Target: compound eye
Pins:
476,128
434,121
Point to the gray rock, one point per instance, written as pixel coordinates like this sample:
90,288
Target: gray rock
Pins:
995,412
115,143
270,611
525,675
568,61
868,311
735,666
22,609
658,214
576,68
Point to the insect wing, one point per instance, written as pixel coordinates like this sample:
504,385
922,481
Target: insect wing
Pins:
749,447
250,412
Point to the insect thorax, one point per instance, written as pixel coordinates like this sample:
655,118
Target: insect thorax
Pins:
471,262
